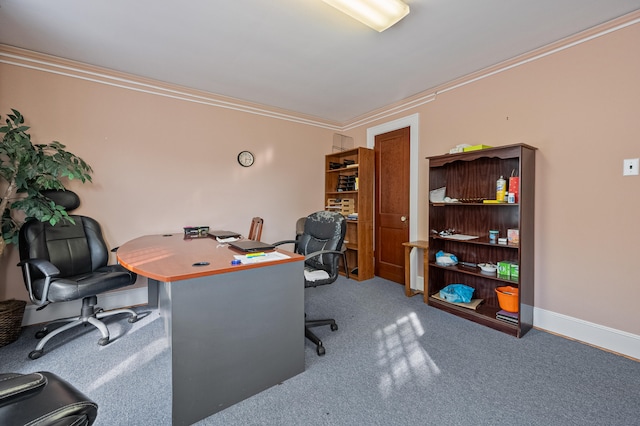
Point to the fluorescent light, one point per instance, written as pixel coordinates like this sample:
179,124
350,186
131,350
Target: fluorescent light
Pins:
378,14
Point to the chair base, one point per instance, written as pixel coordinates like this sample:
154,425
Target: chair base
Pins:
90,314
311,335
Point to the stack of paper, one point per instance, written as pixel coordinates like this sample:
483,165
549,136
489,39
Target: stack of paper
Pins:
250,258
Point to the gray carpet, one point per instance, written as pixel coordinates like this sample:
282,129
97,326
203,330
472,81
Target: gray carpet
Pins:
393,360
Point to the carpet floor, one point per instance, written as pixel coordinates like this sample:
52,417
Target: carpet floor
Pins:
393,361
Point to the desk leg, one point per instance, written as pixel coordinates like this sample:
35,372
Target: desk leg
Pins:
152,293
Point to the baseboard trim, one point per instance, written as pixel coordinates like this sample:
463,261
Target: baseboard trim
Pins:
597,335
113,300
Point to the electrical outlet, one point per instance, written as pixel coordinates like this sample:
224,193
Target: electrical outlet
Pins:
631,166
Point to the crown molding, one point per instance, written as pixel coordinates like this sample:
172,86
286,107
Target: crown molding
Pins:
51,64
431,94
46,63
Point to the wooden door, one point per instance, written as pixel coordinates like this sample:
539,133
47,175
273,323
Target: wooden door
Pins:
392,153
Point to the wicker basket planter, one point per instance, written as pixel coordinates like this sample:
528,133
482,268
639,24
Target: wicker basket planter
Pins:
11,312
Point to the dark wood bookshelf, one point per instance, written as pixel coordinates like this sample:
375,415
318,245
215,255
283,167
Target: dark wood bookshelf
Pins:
472,176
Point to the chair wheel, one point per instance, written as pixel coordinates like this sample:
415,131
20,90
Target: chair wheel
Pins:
103,341
320,350
334,327
35,354
41,333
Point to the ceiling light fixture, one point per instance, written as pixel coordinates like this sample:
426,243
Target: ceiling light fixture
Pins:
378,14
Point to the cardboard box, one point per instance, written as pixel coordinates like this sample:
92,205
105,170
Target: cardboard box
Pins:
504,269
476,147
514,271
513,237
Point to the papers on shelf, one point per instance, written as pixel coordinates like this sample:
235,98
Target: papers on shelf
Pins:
460,237
247,259
471,305
510,317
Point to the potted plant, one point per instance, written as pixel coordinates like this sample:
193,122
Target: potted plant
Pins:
26,169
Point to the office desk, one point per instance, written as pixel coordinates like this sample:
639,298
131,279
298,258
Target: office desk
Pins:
234,330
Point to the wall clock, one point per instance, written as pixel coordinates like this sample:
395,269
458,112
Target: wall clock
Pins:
245,158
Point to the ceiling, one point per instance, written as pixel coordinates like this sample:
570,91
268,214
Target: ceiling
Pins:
299,55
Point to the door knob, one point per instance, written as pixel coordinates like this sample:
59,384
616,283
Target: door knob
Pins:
403,218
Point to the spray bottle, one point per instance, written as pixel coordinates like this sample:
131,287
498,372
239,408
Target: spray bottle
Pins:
501,189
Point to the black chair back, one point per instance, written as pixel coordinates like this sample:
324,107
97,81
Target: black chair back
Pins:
74,248
323,231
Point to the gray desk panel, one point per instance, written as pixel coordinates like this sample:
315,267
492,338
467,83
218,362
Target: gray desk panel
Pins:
232,335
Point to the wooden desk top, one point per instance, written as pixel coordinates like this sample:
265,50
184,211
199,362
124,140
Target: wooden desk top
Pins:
170,257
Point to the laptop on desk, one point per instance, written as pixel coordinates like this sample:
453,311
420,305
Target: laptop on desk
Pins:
224,234
250,246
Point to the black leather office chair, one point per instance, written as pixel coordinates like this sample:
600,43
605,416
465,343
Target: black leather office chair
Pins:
343,248
43,399
68,262
320,243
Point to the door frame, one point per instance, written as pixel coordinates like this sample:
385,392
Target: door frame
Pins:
411,121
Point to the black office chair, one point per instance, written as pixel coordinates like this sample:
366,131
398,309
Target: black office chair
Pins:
343,248
66,262
43,399
320,243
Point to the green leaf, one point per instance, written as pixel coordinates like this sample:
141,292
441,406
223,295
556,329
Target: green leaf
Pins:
32,168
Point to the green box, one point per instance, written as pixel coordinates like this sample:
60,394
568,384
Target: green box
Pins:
504,269
514,271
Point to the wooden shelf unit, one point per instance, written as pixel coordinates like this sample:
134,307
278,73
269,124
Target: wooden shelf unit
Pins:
473,175
359,237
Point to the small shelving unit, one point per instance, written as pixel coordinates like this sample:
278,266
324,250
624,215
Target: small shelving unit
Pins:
349,188
469,176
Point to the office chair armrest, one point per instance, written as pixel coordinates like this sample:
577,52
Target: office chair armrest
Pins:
321,252
15,386
43,398
44,266
49,271
294,242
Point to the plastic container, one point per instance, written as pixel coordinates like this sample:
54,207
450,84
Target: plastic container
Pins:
493,236
489,268
508,298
